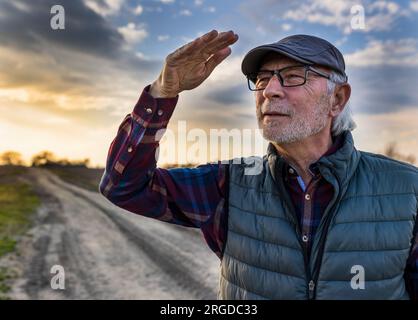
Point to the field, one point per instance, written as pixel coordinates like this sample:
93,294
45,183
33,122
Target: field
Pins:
106,252
80,176
17,202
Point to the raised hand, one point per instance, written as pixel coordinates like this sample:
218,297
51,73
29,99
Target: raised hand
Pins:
190,65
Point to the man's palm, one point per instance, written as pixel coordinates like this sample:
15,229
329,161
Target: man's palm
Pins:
187,67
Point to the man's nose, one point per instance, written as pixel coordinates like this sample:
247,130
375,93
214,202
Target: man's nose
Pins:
274,88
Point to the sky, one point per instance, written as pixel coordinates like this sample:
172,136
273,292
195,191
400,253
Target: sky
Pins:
68,90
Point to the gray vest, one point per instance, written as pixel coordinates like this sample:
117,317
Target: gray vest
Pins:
366,229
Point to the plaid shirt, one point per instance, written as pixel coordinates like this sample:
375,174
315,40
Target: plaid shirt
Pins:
309,201
195,197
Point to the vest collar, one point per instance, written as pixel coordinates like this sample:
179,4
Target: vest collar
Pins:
341,164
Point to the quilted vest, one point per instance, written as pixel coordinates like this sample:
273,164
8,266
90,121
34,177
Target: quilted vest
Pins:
365,232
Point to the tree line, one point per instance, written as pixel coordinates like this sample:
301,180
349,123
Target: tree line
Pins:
48,159
41,159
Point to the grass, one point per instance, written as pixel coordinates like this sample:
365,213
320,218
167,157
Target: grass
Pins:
4,288
82,177
7,245
17,202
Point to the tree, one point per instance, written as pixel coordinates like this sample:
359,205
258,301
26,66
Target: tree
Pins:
48,159
11,158
43,158
392,152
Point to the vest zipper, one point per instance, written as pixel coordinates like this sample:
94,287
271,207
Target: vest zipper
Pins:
305,254
289,204
311,287
287,200
322,240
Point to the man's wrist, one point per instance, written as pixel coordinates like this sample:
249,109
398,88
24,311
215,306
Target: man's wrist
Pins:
156,92
150,109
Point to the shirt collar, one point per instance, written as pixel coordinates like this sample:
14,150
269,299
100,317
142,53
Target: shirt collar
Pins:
313,168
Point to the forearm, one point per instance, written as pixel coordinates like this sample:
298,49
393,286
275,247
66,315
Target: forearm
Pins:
131,158
184,196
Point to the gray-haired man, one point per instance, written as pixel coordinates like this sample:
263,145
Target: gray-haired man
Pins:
321,220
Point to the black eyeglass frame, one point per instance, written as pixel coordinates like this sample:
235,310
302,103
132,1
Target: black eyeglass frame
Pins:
278,71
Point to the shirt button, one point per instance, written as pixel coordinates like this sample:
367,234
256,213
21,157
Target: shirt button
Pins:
291,171
307,197
130,149
305,238
160,112
148,110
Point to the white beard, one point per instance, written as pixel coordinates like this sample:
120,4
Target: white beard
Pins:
300,125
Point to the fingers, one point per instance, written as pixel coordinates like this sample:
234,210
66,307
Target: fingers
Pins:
209,36
194,46
223,40
201,41
216,59
207,44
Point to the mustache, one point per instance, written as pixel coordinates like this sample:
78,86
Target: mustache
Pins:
276,108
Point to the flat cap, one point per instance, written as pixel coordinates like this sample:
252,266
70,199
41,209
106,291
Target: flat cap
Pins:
306,49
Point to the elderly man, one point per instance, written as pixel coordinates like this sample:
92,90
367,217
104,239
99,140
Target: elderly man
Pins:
321,220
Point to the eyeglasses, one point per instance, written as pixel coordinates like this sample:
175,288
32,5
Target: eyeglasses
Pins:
292,76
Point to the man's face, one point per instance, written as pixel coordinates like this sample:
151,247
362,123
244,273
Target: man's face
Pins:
304,110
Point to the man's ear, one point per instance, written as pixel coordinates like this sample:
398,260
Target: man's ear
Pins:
341,96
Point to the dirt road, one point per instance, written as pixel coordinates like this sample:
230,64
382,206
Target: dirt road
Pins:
106,252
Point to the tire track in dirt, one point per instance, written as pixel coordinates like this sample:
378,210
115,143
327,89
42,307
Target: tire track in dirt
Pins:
47,244
164,258
107,252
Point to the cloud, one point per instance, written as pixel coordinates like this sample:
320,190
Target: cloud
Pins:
229,95
383,15
133,33
30,132
414,5
85,30
382,89
379,15
138,10
210,9
221,101
154,9
375,131
85,66
386,52
286,26
166,1
70,80
226,86
322,12
341,41
163,37
226,75
104,7
384,76
185,12
142,56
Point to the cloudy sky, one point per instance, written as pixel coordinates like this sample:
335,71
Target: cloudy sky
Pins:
68,90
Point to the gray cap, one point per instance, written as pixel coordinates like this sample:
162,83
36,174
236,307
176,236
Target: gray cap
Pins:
303,48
